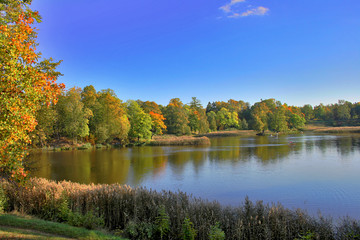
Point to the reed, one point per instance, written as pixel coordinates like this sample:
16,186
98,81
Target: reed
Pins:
136,210
323,129
170,140
229,133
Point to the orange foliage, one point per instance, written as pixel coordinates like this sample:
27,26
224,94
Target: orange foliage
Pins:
157,122
24,85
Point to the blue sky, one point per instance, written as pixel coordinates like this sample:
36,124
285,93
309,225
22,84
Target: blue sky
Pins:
297,51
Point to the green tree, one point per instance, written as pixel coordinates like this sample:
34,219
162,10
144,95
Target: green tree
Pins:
140,122
277,119
308,111
157,118
110,120
342,110
176,118
244,124
73,117
226,119
46,118
89,96
211,117
259,116
197,117
296,121
320,112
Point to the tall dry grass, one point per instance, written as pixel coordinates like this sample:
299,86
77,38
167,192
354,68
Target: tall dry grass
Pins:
121,206
171,140
324,129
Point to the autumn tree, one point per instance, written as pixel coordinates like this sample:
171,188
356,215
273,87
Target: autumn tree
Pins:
157,118
47,119
89,96
73,117
226,119
259,116
296,121
140,121
176,117
26,81
277,118
110,119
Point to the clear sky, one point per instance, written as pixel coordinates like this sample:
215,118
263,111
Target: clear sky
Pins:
297,51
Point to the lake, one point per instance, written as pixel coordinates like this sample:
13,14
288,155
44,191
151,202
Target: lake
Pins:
313,172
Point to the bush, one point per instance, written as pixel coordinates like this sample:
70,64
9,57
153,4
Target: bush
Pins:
216,233
162,222
3,200
188,231
140,230
88,221
85,146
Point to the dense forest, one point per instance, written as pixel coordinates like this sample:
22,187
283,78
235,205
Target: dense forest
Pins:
101,117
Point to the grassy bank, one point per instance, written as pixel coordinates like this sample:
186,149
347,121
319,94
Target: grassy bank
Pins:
144,214
15,226
229,133
326,129
172,140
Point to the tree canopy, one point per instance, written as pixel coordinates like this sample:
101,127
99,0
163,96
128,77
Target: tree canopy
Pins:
26,82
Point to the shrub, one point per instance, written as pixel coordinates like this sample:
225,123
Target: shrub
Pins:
216,233
188,231
162,222
85,146
89,220
140,230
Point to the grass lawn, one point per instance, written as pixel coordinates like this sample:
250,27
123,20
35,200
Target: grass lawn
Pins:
25,227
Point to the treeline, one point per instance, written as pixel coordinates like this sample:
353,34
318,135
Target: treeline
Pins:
101,117
341,113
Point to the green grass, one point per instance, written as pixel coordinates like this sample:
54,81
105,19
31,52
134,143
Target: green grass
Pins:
26,227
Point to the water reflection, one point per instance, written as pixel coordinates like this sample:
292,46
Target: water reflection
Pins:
135,165
305,171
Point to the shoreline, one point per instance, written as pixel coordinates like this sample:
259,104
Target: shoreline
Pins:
191,140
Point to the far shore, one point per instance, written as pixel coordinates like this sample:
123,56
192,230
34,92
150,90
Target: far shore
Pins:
197,139
326,129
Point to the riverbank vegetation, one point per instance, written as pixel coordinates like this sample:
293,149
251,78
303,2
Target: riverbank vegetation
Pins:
100,117
169,140
144,214
337,130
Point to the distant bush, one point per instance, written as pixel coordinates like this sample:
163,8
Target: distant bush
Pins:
85,146
144,214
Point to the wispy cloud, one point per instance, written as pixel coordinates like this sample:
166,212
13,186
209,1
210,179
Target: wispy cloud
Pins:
260,11
227,7
231,13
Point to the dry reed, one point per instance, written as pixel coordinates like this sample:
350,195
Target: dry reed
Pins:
121,205
169,140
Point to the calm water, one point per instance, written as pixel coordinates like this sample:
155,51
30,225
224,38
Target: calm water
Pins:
306,171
